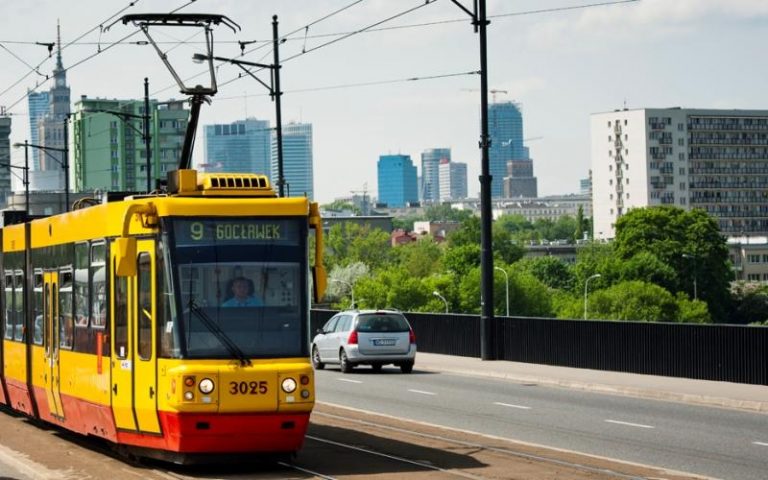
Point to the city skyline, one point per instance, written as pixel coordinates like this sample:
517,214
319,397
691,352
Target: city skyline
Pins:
561,66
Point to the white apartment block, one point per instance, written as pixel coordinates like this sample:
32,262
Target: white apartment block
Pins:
453,180
716,160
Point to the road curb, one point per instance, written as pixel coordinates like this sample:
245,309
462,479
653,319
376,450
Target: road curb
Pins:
655,394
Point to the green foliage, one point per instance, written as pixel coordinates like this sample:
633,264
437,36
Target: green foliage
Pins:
406,223
392,288
633,301
514,223
669,233
505,249
444,213
350,242
597,258
461,259
420,259
340,205
562,228
750,302
549,270
692,311
645,266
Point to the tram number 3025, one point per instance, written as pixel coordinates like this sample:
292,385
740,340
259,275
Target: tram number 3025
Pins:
248,388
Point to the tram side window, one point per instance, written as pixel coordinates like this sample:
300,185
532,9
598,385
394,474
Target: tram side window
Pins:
18,332
39,325
9,311
81,285
66,310
121,316
145,306
98,285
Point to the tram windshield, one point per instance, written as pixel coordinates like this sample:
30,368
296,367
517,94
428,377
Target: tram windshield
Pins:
241,288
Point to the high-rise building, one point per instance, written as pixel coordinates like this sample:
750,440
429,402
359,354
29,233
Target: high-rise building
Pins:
453,180
37,104
51,128
510,164
297,161
716,160
430,173
241,146
397,180
109,150
5,159
519,181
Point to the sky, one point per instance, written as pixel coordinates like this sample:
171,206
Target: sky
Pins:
560,63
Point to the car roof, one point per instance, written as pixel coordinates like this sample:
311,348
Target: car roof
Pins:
368,312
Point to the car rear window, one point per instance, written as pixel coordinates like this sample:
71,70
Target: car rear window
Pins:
382,322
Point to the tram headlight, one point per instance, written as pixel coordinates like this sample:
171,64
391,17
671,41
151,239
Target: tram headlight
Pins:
288,385
206,386
189,396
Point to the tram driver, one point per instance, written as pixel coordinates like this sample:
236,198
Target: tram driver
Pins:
243,294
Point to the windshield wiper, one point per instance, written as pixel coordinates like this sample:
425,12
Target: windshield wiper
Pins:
217,332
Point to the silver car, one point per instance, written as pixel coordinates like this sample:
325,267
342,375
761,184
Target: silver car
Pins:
365,337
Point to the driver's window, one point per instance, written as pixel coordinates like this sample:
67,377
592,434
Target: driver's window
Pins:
330,324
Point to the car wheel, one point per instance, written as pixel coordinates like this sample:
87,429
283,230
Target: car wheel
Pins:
344,364
406,367
316,359
376,367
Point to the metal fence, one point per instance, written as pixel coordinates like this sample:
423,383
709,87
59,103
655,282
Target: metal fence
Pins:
731,353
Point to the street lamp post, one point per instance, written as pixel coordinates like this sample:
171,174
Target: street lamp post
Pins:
586,284
351,289
695,289
64,164
437,294
506,282
25,179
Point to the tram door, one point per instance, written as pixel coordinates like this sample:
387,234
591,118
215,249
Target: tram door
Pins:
134,374
142,294
52,339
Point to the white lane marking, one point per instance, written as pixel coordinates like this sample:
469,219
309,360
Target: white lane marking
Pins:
638,425
522,407
762,444
22,464
348,380
422,392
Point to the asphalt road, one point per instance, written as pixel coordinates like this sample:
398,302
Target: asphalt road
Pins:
707,441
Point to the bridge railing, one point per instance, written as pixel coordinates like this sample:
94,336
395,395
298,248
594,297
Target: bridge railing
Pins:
730,353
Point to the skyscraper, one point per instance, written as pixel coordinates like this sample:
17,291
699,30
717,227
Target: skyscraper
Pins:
453,180
109,152
5,159
297,160
37,103
51,126
241,146
430,175
505,127
397,180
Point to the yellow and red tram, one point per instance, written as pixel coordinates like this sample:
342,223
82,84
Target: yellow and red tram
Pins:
116,318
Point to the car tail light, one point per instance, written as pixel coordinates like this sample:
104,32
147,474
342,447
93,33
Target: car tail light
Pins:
411,336
352,340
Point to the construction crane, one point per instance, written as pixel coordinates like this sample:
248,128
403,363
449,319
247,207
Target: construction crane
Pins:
493,91
365,207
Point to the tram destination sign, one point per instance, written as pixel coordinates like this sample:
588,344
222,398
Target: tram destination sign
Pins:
236,231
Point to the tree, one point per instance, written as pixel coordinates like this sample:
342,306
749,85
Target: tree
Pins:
549,270
421,258
647,267
445,213
669,233
350,242
578,234
340,205
633,301
750,302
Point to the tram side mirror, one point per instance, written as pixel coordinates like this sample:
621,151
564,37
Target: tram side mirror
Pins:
320,282
125,256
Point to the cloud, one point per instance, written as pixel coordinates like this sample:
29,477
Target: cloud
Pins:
661,18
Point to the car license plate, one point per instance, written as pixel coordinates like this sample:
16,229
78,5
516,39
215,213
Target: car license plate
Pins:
383,342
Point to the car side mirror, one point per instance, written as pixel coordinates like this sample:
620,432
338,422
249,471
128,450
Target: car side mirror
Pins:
320,331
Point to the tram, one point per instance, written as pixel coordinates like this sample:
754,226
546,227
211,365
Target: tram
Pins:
118,319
